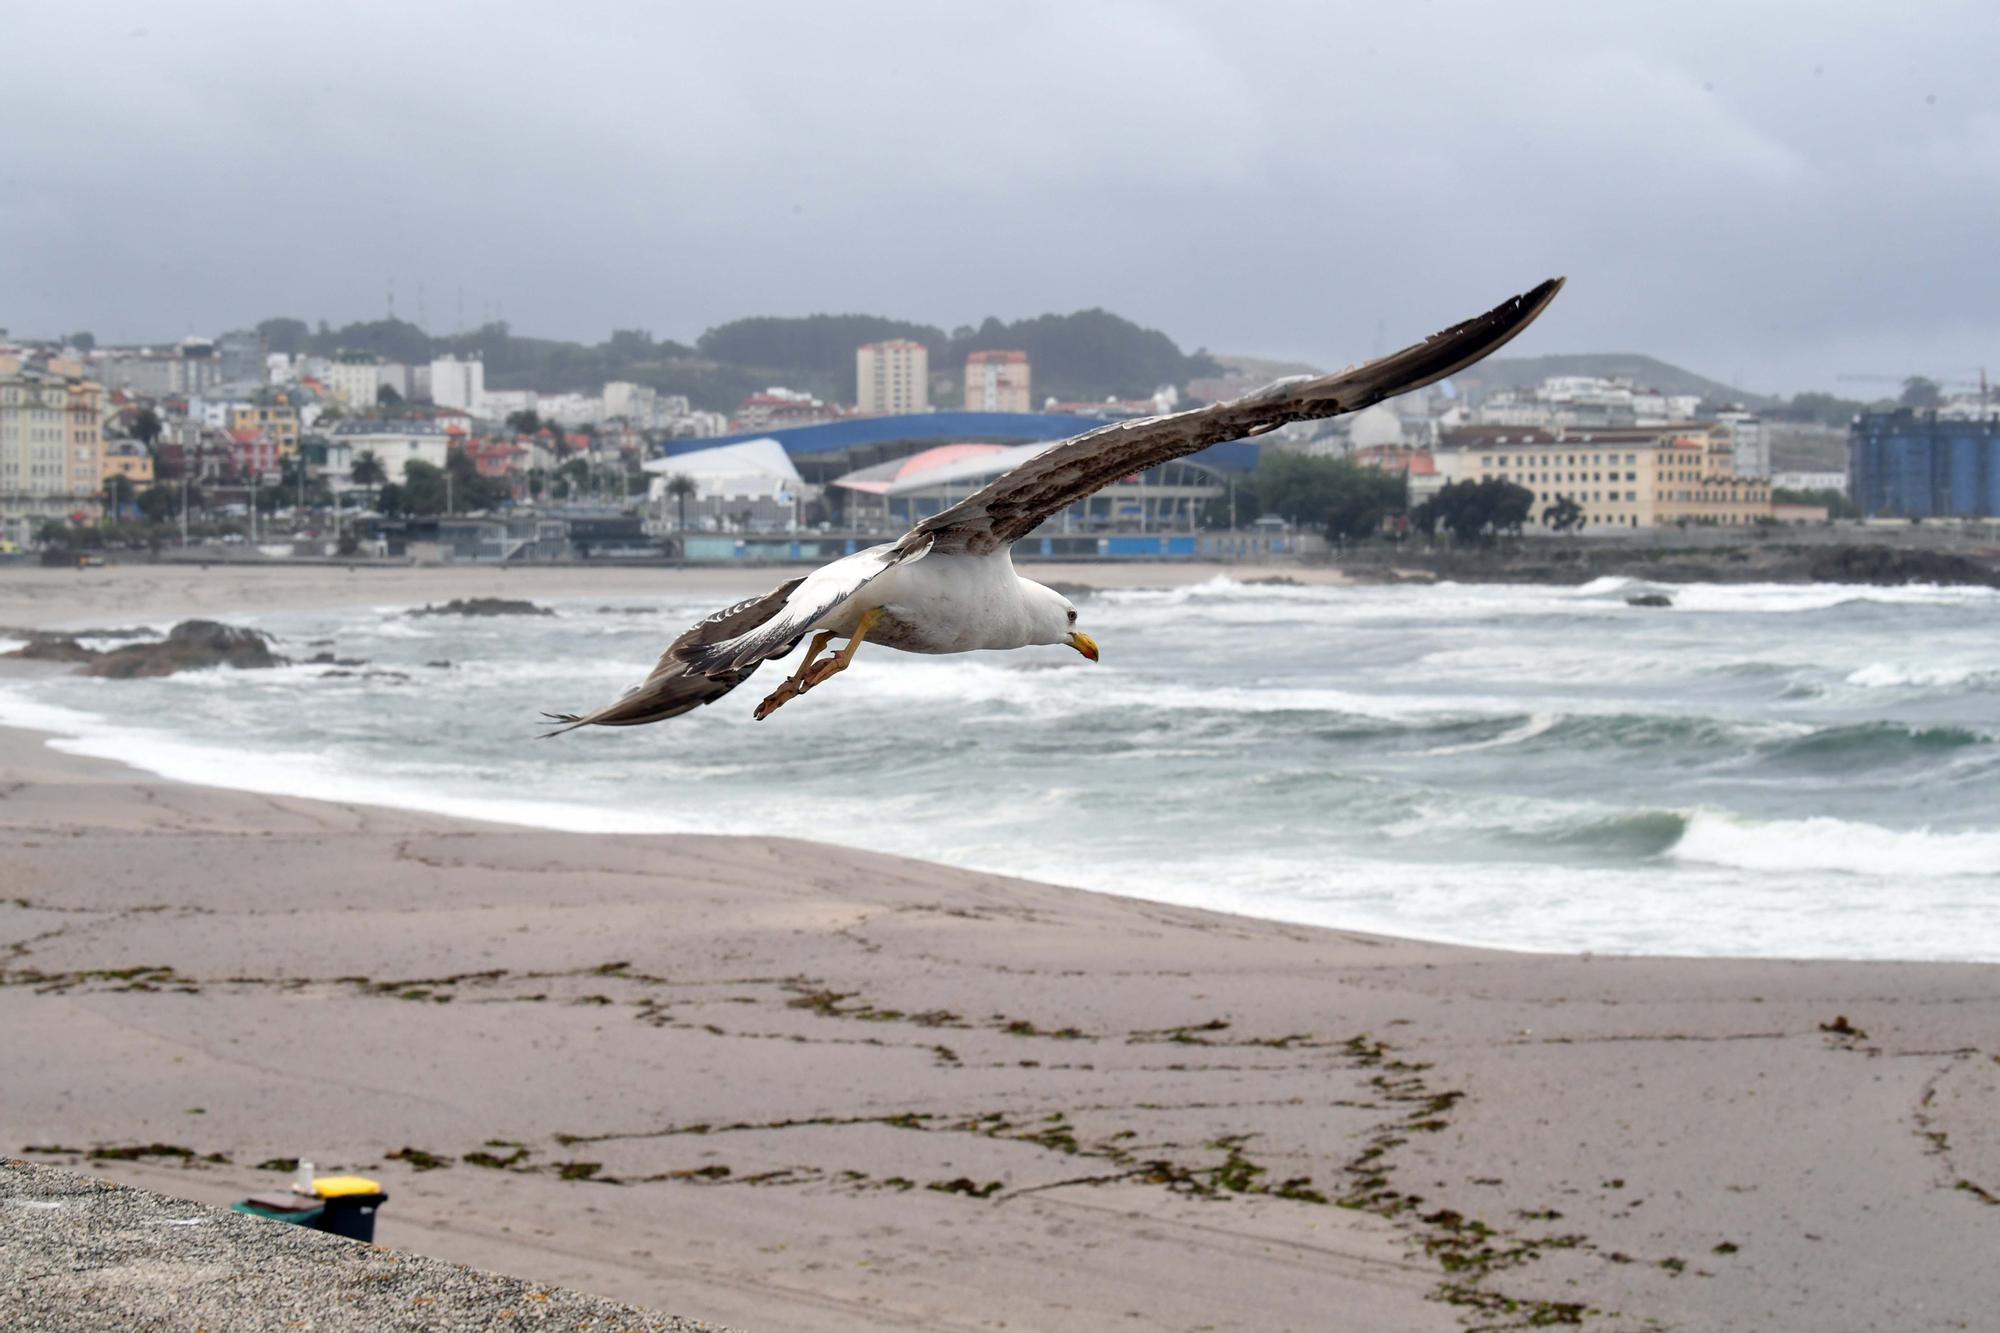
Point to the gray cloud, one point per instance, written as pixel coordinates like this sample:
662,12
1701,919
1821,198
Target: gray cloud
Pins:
1778,191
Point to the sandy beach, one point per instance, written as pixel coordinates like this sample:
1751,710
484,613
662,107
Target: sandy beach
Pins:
782,1085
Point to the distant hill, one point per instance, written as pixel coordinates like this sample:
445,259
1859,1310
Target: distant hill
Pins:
1087,355
1263,368
1524,372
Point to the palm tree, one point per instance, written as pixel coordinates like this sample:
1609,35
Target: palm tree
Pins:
368,471
680,485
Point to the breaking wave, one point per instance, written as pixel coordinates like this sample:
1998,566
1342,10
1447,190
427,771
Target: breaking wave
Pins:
1836,846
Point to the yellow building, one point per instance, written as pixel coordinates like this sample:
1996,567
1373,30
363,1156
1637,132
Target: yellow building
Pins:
893,378
129,459
51,445
997,382
1628,477
276,420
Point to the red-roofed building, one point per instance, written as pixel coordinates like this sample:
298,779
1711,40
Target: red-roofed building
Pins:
498,458
777,408
253,453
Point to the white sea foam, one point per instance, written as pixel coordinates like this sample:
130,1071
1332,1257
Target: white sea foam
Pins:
1836,845
1910,675
311,776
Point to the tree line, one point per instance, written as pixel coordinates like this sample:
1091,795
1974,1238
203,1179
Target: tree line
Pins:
1350,501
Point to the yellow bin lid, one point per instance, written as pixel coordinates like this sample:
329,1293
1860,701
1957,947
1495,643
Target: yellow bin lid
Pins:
336,1187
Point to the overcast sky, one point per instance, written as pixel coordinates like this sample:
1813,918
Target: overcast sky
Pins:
1770,193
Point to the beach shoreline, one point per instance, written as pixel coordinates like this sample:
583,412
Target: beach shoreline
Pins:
781,1084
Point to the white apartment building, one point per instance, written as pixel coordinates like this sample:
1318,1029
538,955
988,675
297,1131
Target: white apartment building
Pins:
997,382
504,403
459,384
571,409
893,378
352,382
636,403
1752,445
1809,481
394,444
1585,400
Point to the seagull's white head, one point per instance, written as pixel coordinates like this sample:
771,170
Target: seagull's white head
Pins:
1052,619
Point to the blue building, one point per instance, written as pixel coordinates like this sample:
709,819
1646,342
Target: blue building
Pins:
1906,464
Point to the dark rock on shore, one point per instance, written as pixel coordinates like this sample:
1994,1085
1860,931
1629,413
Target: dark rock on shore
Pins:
189,646
328,659
54,649
1650,599
1753,561
483,606
1892,565
37,635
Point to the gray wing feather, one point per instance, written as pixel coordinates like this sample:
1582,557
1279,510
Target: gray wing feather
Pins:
719,653
1016,504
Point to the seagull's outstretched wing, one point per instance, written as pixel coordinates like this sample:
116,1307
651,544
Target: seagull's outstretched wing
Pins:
716,655
1016,504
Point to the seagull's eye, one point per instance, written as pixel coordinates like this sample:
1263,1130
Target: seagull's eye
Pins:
1072,615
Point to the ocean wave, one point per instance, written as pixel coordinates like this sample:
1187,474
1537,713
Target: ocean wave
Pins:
1857,746
1638,834
1537,724
1894,675
1837,846
1688,733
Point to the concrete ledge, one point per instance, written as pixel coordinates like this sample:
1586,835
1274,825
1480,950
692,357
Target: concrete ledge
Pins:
83,1254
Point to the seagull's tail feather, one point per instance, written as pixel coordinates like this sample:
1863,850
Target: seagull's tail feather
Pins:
669,693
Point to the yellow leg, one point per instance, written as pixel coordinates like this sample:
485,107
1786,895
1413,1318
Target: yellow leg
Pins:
795,684
836,664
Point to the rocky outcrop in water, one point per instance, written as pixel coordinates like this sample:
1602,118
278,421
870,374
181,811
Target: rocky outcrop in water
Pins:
1892,565
1650,599
483,606
190,646
123,632
53,649
1754,560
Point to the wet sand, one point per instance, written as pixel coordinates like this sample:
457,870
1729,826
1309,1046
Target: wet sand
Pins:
784,1085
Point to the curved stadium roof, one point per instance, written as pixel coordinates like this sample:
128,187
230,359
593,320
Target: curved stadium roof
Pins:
872,436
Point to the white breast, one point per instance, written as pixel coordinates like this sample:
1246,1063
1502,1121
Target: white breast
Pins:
943,604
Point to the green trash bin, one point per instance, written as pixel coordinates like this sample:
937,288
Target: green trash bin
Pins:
339,1205
284,1206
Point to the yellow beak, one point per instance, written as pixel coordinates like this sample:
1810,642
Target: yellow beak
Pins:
1083,643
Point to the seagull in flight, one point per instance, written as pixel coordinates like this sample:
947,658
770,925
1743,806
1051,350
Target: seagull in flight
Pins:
949,584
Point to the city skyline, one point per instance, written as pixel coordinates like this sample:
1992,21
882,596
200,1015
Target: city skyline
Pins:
1774,198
